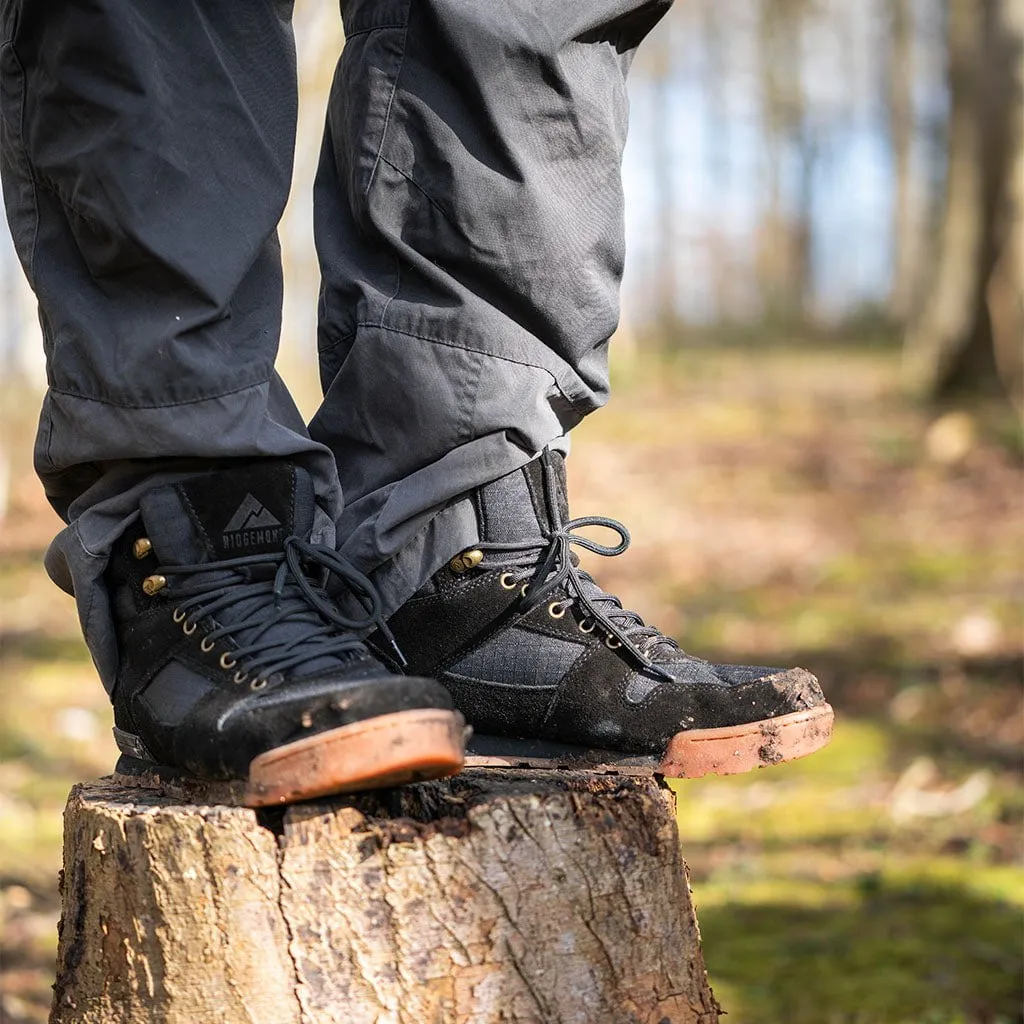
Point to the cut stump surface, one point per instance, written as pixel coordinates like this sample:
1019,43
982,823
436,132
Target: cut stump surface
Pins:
496,897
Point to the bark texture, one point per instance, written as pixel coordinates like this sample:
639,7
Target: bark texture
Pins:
492,898
966,339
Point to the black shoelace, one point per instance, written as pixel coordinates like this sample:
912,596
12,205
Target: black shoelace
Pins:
545,565
262,593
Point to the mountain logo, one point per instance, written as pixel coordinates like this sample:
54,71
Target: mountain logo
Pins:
252,525
251,515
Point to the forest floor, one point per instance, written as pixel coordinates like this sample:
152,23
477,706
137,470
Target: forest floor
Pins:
788,507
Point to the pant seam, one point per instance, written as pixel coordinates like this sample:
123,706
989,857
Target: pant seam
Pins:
48,417
394,294
374,28
471,397
162,405
68,204
328,346
419,188
387,112
463,348
466,348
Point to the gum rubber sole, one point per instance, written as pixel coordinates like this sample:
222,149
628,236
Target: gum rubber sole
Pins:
690,755
389,750
741,748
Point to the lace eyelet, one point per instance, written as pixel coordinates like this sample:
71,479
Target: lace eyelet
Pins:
206,645
178,615
188,628
556,609
227,662
240,676
524,589
507,581
612,643
257,684
584,628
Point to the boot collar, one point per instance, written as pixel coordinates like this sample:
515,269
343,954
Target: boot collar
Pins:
530,502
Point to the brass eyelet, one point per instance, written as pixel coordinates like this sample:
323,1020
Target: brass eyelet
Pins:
612,643
226,661
178,615
584,628
153,584
507,581
257,684
240,676
188,628
206,645
524,588
556,609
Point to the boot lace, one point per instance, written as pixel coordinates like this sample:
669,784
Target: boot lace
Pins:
279,616
544,566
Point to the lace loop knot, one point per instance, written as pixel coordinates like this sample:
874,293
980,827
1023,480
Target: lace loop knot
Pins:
556,569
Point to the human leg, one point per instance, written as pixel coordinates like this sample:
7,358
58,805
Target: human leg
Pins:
146,154
469,223
469,226
151,247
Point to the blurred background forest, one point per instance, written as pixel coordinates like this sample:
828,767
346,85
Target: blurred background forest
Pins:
815,438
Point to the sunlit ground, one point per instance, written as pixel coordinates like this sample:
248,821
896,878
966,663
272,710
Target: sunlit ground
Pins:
786,508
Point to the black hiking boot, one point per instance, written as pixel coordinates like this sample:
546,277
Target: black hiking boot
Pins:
548,669
235,663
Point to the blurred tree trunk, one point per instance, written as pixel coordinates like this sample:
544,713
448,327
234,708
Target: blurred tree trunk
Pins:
784,263
773,253
717,34
659,68
1005,288
906,238
973,307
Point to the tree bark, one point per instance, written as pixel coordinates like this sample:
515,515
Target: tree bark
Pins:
950,348
492,898
784,242
1005,287
906,233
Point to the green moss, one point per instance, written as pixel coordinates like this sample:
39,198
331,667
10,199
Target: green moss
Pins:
877,950
817,905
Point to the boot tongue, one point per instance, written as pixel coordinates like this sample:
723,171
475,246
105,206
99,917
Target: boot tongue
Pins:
532,503
516,507
247,510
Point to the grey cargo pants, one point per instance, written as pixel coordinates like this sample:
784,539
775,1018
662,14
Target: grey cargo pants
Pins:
468,214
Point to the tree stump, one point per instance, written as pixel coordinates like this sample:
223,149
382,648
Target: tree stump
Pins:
496,897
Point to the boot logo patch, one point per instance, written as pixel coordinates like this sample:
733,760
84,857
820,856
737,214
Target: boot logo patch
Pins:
252,525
